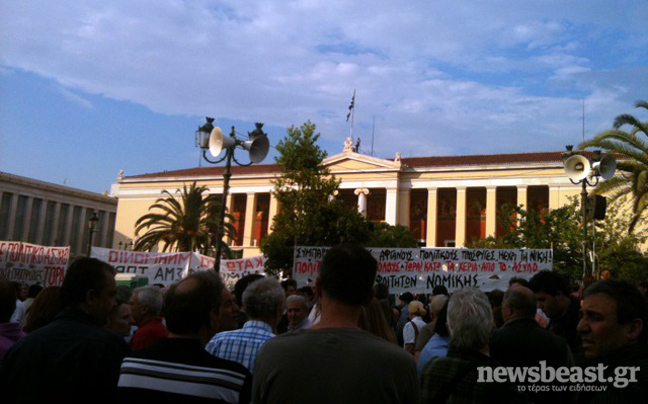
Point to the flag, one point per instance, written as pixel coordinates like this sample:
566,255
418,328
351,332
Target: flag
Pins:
351,106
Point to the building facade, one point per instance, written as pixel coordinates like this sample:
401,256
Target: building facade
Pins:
48,214
445,201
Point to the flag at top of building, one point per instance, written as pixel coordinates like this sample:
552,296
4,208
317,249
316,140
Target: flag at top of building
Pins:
351,106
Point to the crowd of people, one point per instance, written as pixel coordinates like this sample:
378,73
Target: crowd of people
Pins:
344,339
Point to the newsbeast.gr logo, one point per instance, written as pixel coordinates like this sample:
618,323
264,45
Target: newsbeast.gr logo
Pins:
545,378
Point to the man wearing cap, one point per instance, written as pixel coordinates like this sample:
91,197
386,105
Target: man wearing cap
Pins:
411,330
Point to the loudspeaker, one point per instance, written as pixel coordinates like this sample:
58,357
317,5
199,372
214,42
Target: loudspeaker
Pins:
577,167
596,206
258,148
218,141
606,167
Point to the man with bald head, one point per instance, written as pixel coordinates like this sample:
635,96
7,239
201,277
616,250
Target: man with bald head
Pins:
521,341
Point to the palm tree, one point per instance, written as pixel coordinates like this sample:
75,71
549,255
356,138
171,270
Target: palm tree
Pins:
633,144
188,223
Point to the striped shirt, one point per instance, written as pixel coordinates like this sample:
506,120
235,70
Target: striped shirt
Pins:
179,370
241,345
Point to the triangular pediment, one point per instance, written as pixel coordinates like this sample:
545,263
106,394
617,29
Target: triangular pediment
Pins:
351,161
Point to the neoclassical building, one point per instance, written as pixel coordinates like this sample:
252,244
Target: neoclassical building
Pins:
444,200
48,214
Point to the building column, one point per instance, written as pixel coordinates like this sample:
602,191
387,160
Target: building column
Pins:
405,202
362,200
41,221
391,206
522,196
250,218
12,216
431,231
554,198
491,211
460,229
229,205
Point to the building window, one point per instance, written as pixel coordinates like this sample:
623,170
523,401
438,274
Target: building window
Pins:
49,223
446,216
239,205
61,234
5,207
34,220
418,214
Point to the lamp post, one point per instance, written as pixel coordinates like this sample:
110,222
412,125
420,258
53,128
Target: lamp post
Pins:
210,138
585,171
92,229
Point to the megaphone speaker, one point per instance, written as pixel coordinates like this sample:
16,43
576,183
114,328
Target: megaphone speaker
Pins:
606,167
577,167
218,142
258,148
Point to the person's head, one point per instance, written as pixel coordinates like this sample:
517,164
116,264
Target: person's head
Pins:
381,291
606,275
146,303
552,293
44,309
192,306
264,300
441,325
34,290
440,290
406,297
470,319
289,286
347,275
229,311
519,281
643,287
89,285
436,304
121,319
519,302
296,309
495,297
308,292
373,320
7,301
242,284
415,309
614,315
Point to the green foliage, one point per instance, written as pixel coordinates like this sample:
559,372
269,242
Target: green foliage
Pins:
387,236
307,215
187,223
561,230
633,168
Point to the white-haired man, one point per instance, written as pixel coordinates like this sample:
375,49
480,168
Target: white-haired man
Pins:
454,378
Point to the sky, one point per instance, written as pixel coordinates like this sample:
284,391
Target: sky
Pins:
89,88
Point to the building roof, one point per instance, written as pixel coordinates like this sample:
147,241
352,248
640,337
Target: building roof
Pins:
479,160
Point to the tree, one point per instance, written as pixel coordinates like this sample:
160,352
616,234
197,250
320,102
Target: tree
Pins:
384,235
561,230
633,181
188,223
308,214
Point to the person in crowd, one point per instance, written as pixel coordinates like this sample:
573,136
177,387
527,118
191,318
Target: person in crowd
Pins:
552,293
381,291
615,338
20,311
495,298
178,368
146,308
32,292
372,319
454,378
522,342
436,304
229,312
121,321
403,318
10,332
440,290
643,288
540,317
239,288
289,286
263,303
414,325
308,292
297,309
44,310
437,346
359,366
73,359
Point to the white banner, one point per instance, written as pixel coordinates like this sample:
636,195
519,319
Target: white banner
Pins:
167,268
419,270
33,264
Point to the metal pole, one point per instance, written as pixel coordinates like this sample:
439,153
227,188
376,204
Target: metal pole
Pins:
584,213
221,223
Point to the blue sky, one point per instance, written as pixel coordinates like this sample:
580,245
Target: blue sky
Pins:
90,88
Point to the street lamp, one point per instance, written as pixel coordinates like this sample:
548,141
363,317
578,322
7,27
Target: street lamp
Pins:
585,171
210,138
92,229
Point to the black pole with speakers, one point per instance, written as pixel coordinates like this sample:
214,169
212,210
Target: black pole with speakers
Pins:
212,139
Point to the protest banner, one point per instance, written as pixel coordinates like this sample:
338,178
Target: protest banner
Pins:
167,268
419,270
33,264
